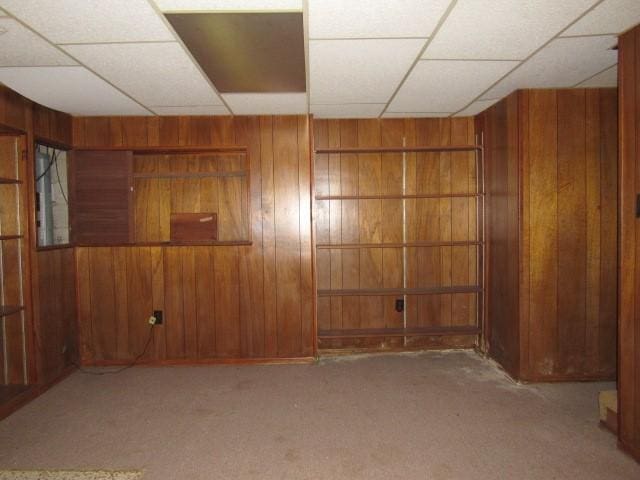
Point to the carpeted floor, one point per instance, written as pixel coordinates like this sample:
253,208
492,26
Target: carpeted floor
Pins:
435,416
69,475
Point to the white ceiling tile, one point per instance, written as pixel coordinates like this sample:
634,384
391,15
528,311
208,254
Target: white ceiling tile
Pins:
416,114
196,110
611,16
446,85
74,90
228,5
563,63
22,47
502,29
152,73
90,21
476,107
608,78
266,103
361,110
374,18
358,71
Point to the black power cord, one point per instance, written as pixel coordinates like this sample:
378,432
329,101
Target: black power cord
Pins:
121,369
64,195
51,162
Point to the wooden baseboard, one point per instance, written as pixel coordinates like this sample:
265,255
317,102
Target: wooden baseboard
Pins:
201,362
335,352
31,393
577,377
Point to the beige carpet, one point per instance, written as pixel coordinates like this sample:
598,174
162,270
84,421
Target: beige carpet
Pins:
68,475
432,416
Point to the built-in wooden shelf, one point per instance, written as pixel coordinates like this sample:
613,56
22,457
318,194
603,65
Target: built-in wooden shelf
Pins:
241,173
400,291
11,237
170,149
400,332
398,197
9,181
219,243
328,246
441,148
6,310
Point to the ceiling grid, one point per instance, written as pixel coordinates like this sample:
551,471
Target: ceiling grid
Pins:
363,58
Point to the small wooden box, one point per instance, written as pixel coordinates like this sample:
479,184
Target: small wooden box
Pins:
194,227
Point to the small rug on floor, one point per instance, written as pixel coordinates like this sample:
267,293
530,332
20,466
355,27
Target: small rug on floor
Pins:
70,474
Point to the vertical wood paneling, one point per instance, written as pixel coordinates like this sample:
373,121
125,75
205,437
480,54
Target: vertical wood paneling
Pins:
102,298
500,132
608,318
307,341
227,294
247,132
376,221
15,111
370,224
543,216
572,230
594,172
550,157
287,230
139,286
350,220
205,303
269,236
629,264
219,302
48,285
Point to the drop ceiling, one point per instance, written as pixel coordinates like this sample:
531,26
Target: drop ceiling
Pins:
363,58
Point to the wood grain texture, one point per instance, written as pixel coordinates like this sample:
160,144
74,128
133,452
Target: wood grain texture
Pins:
628,260
220,302
56,326
15,112
12,280
101,198
48,278
359,225
499,128
550,156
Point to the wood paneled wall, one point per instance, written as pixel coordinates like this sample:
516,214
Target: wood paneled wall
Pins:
446,227
247,301
629,263
50,311
156,197
560,146
499,129
56,332
16,112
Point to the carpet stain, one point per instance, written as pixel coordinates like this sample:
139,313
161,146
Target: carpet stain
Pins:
442,471
244,385
292,455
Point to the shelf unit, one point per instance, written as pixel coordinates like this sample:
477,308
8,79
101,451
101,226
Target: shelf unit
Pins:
365,292
9,181
8,310
14,326
338,202
190,179
398,332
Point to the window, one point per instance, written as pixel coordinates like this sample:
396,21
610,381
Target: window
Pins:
52,198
